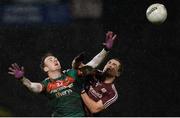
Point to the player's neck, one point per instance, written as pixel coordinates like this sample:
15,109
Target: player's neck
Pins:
54,74
109,80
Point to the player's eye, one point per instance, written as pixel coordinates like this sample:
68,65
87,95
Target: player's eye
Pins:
114,64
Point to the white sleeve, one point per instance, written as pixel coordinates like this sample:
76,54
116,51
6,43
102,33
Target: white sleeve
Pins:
32,86
98,59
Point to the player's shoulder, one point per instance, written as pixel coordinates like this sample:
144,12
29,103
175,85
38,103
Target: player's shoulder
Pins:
47,79
113,89
112,92
70,72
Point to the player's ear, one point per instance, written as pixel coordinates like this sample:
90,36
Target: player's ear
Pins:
46,69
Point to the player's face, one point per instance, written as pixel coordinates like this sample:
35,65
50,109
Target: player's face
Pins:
51,64
112,67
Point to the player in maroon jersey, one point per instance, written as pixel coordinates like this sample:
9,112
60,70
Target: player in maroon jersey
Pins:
102,92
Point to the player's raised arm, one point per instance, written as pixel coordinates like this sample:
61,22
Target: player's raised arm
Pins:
18,73
108,44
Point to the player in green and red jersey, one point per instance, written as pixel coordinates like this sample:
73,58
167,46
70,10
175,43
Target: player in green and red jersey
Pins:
61,88
63,93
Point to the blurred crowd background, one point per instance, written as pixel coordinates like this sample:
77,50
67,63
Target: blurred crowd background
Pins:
149,85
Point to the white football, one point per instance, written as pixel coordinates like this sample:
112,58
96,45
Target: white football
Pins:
156,13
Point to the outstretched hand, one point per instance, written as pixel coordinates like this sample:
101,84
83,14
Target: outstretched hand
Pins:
109,41
16,71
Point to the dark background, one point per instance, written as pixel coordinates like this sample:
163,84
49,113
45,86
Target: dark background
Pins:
149,85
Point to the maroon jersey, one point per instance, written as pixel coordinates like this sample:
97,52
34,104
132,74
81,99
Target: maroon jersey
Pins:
103,91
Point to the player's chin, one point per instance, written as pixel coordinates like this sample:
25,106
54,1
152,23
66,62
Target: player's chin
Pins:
110,72
107,72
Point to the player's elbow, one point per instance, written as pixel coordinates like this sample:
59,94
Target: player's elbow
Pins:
35,90
96,109
36,87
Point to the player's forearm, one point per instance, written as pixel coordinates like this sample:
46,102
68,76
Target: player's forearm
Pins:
32,86
93,106
96,61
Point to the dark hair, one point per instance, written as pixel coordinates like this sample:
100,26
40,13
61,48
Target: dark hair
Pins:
120,66
43,58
